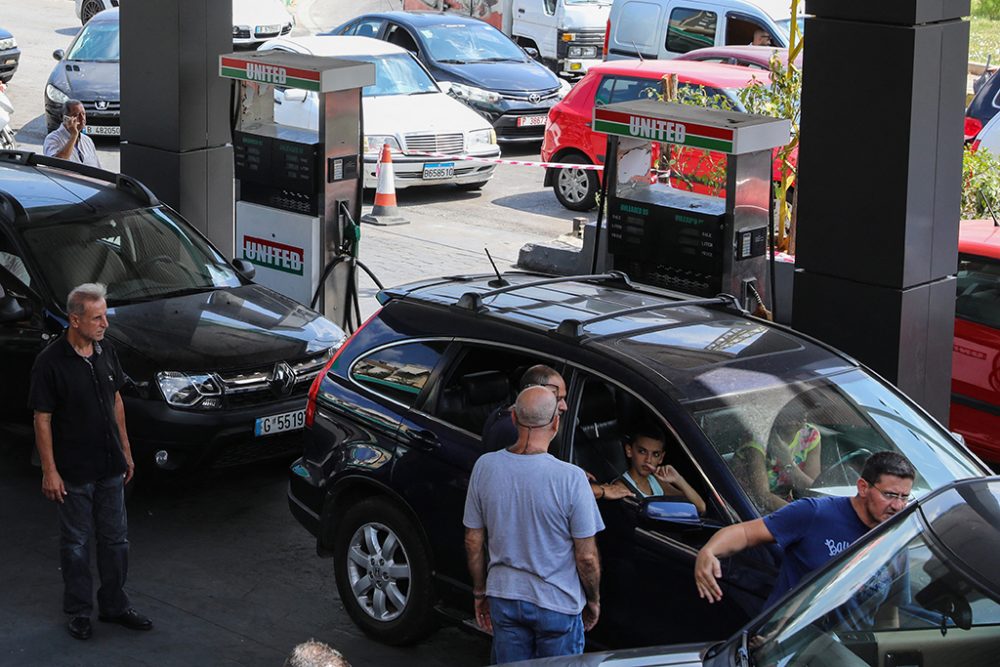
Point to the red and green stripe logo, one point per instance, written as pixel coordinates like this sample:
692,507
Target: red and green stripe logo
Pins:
250,70
663,129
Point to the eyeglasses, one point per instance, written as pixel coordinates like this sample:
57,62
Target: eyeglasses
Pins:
553,387
890,495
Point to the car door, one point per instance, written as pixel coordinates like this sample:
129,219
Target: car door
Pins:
442,438
647,589
535,20
975,410
23,333
615,88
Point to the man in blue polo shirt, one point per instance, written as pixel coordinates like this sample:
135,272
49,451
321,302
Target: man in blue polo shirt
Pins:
811,531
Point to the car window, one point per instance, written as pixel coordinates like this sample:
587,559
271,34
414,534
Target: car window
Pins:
11,260
482,379
812,439
399,372
978,297
397,74
626,89
690,29
465,43
365,28
97,42
140,255
400,36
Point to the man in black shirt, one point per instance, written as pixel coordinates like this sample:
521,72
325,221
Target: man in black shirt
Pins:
86,460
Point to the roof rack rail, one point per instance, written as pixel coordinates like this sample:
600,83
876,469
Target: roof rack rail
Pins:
120,181
574,328
474,300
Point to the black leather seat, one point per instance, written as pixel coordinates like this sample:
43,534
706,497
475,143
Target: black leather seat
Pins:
598,442
469,402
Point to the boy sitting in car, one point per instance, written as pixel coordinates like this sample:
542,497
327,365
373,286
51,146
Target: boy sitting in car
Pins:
648,475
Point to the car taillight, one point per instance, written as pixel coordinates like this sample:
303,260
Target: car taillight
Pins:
318,380
975,146
972,127
607,38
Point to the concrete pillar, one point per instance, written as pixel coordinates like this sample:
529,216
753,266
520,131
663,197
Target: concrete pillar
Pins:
175,109
880,164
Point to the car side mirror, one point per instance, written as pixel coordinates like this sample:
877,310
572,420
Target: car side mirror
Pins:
676,512
11,310
245,268
58,54
445,87
531,51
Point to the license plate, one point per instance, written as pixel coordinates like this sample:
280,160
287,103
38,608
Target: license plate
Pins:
267,29
527,121
434,170
287,421
104,130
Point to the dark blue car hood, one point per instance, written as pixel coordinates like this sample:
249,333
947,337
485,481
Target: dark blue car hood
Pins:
500,77
93,81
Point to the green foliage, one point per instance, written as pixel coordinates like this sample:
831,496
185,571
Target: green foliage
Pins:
989,9
984,39
980,184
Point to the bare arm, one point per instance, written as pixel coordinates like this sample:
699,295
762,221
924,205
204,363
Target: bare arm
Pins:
728,541
475,554
52,483
588,566
123,436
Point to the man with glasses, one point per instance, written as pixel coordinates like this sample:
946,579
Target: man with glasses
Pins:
539,589
811,531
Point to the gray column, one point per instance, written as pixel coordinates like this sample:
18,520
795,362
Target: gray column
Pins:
880,164
175,108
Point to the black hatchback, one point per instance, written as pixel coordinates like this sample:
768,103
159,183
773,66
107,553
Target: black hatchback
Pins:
393,429
219,366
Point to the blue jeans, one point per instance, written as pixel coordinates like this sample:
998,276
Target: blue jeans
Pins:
522,630
88,506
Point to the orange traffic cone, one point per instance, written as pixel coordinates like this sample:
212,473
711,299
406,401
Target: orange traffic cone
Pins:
384,212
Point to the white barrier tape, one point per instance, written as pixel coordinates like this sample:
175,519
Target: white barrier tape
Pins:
520,163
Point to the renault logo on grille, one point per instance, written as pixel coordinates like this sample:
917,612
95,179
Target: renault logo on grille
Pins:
282,379
101,104
534,98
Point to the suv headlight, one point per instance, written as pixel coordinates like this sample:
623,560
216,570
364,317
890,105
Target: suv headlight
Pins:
582,52
481,138
55,94
473,94
8,43
190,390
373,143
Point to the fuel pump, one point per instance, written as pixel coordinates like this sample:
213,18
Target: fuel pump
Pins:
685,241
298,191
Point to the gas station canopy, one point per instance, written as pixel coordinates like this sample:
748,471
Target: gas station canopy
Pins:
729,132
297,70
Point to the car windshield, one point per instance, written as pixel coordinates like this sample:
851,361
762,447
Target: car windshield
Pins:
469,43
786,25
97,42
397,74
901,593
812,438
139,255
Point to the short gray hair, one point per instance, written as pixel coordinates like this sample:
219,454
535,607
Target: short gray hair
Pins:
81,295
535,406
69,104
315,654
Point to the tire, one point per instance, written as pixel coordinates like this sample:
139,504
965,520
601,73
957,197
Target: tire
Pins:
89,9
576,189
397,610
478,185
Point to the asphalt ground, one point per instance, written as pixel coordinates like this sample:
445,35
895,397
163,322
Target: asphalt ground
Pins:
220,565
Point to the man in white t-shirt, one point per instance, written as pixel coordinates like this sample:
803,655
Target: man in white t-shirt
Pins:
539,517
68,141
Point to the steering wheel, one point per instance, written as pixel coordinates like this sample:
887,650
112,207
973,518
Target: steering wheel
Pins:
850,475
149,261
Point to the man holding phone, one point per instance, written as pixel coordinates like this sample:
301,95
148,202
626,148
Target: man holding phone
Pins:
68,140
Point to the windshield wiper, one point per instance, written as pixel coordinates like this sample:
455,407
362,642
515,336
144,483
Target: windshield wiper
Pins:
453,61
499,59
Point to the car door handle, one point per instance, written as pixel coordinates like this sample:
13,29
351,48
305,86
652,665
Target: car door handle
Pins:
520,11
425,440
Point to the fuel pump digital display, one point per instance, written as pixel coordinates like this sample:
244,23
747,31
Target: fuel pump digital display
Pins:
278,167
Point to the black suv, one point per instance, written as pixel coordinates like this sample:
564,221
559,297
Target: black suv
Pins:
219,366
393,429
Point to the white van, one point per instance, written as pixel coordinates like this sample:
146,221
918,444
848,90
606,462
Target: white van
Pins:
661,29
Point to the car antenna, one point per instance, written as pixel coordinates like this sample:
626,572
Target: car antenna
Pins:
499,282
989,208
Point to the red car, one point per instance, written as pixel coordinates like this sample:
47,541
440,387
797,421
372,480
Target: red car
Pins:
758,57
568,137
975,379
